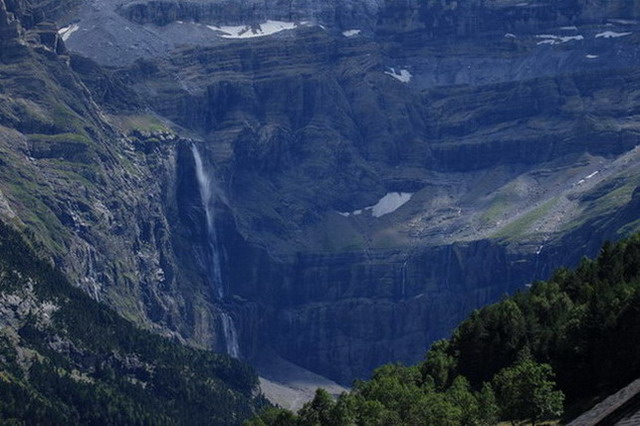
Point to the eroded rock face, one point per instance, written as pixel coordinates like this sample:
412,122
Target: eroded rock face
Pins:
511,128
92,188
344,13
308,128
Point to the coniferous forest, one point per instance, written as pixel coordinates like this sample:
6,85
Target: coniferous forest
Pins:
546,353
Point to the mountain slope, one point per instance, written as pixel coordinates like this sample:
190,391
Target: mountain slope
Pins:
66,359
95,190
367,172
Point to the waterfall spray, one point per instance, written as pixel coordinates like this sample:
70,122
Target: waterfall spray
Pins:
230,335
208,198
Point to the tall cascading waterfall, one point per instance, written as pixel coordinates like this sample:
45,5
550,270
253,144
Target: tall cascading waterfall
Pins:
208,198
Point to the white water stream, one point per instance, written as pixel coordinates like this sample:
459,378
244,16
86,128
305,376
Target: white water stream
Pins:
208,197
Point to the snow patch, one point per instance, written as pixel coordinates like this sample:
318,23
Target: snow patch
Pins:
612,34
261,30
402,75
390,203
66,32
351,33
586,178
387,204
623,21
555,39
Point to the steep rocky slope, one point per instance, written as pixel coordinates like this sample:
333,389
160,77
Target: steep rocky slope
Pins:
337,181
67,359
95,199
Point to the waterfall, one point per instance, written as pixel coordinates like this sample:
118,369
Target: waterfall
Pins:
208,198
403,270
230,336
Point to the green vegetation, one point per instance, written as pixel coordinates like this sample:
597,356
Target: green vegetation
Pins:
570,340
605,198
526,221
66,359
140,123
499,205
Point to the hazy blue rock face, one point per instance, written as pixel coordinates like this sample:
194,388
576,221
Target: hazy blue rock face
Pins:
507,131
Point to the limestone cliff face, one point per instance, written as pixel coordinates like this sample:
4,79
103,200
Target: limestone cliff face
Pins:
435,17
93,191
344,314
345,13
511,177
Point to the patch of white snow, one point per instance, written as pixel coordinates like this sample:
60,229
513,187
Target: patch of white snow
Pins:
66,32
351,33
403,76
623,21
555,39
261,30
612,34
387,204
390,203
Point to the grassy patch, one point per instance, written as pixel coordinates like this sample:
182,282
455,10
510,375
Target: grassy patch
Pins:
37,216
497,208
629,228
524,222
142,123
605,204
60,137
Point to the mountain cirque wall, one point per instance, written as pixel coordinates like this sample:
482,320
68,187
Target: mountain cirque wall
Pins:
340,14
90,189
517,152
508,179
306,128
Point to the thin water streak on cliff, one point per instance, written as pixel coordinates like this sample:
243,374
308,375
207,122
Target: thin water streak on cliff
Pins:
208,197
230,335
